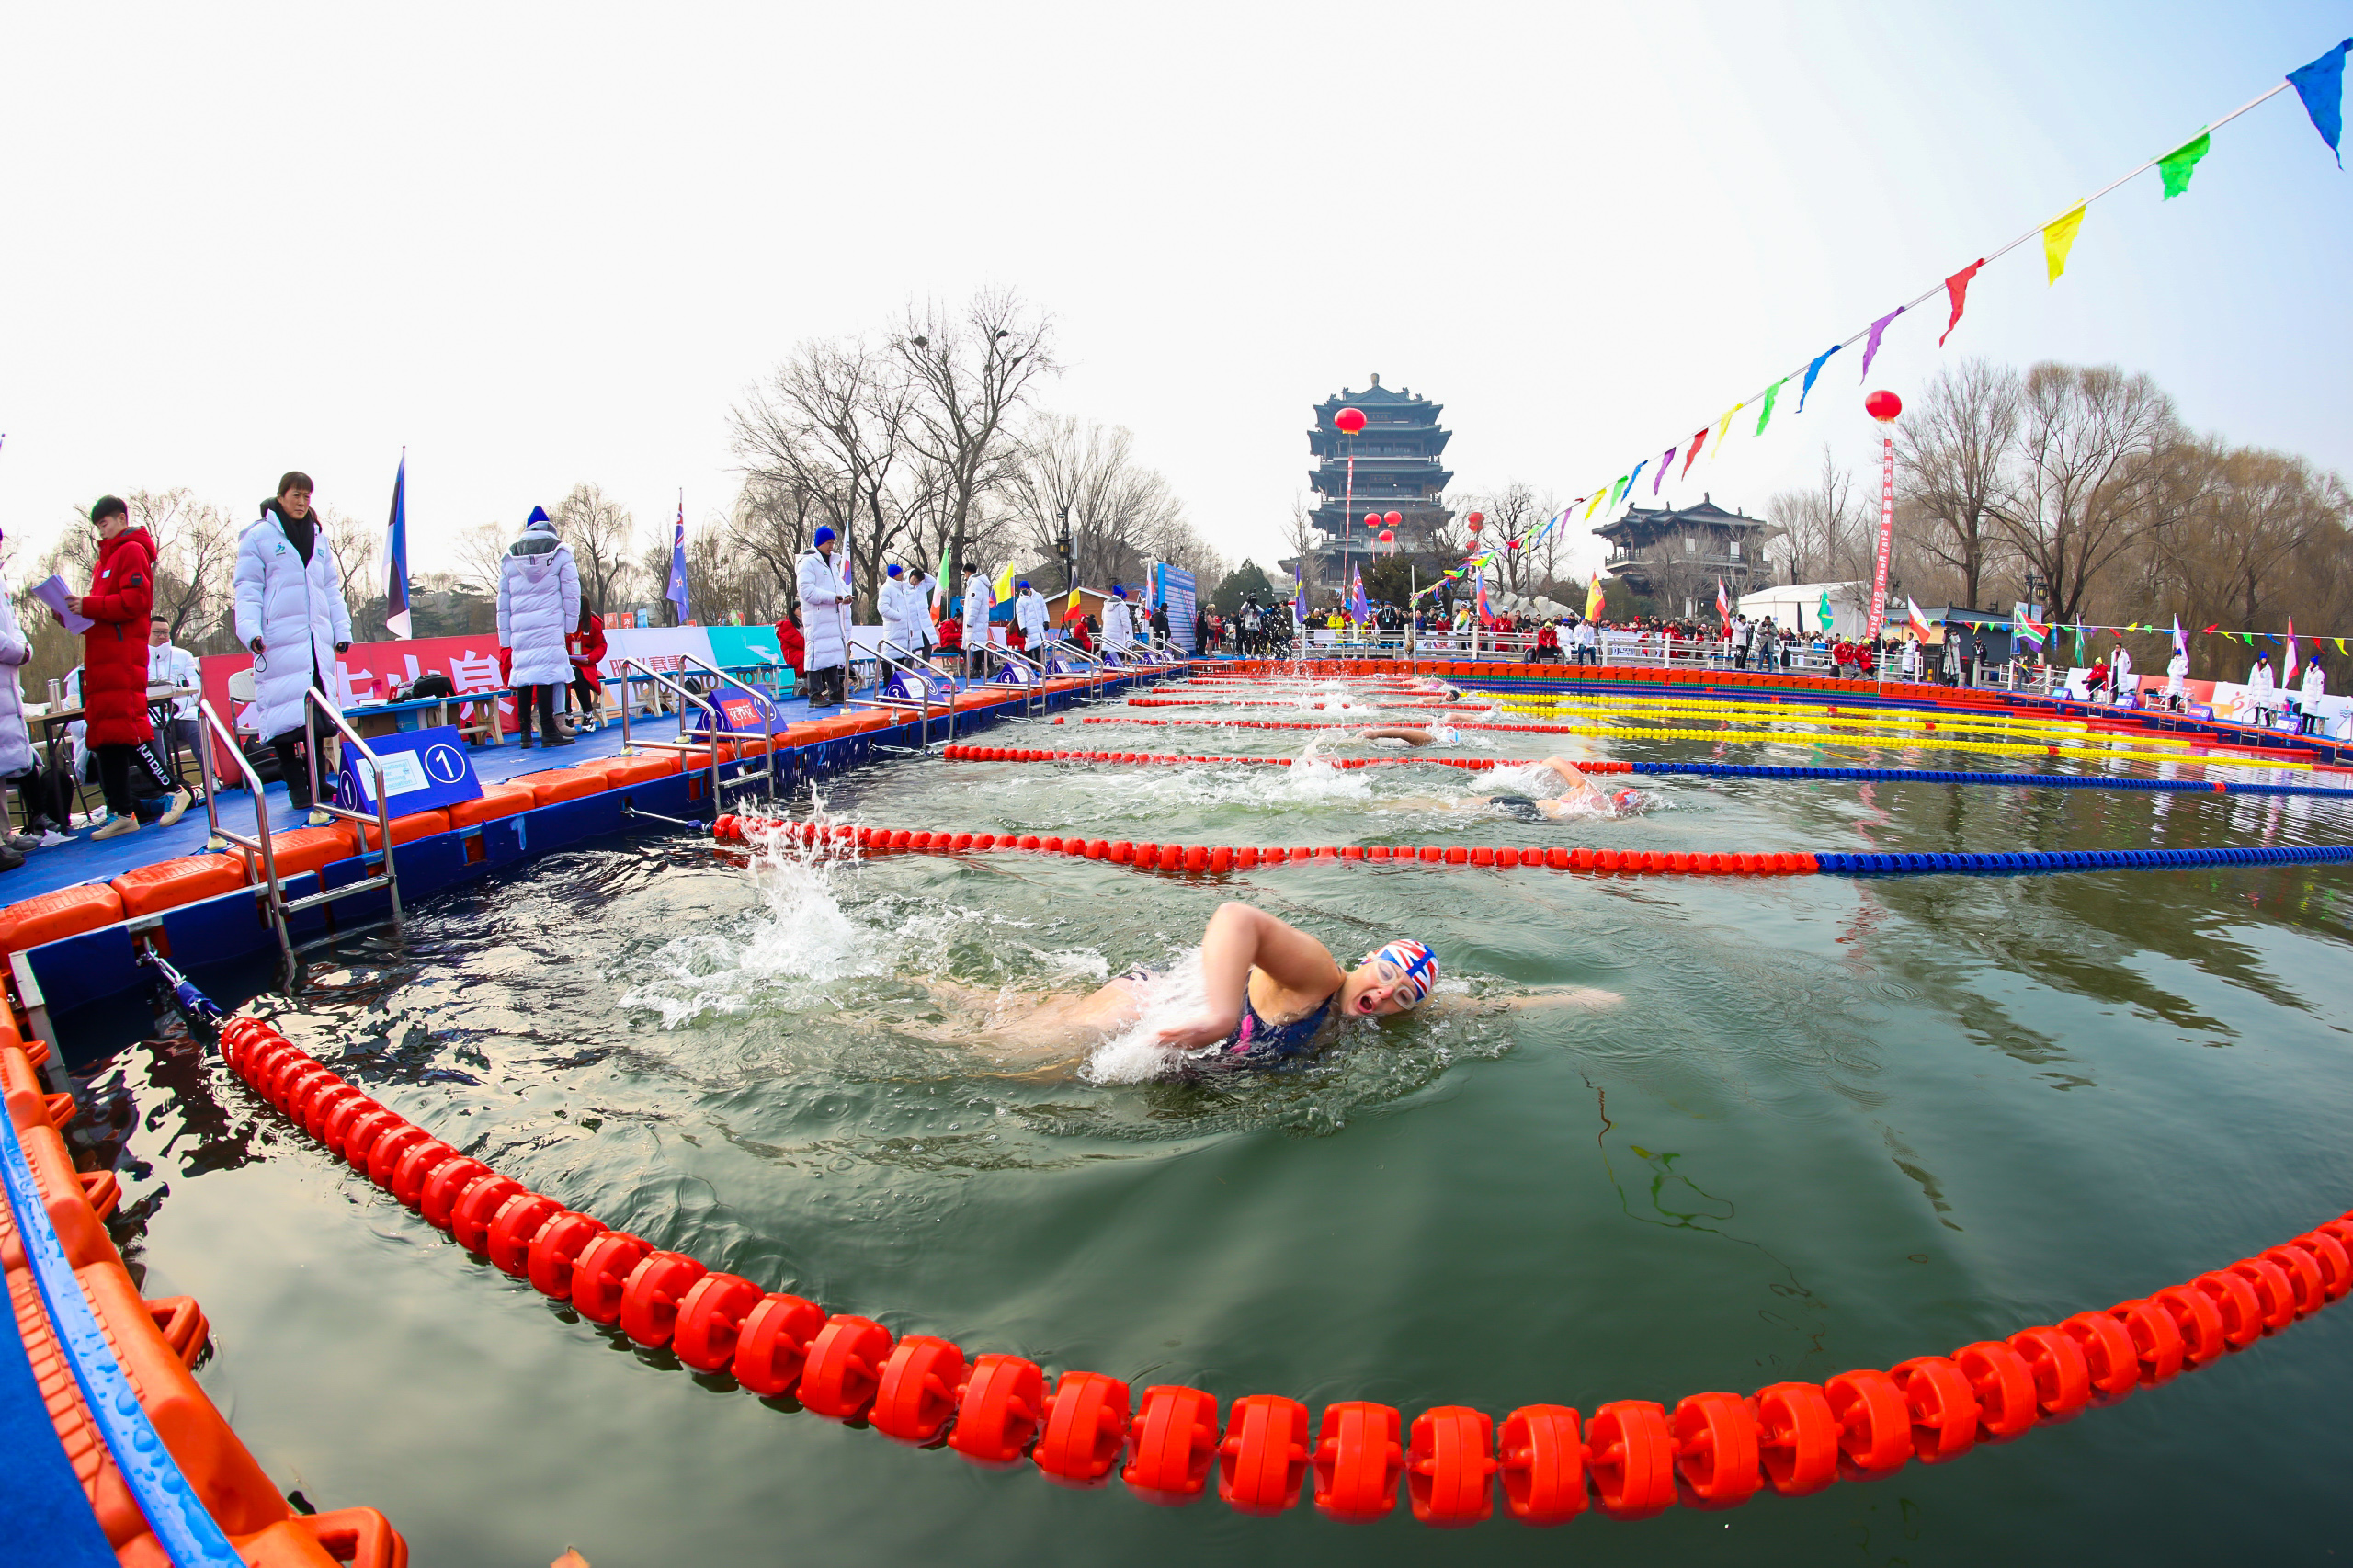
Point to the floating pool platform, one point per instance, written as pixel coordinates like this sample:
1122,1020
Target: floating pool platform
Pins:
121,1457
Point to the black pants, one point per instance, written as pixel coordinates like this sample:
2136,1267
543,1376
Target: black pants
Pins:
115,763
291,767
545,697
584,694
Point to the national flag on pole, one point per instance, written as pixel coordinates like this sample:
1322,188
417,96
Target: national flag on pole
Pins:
939,589
1723,602
396,616
1003,591
2028,629
1479,586
2180,639
2288,670
1299,600
1916,619
1359,610
1823,614
1595,602
676,592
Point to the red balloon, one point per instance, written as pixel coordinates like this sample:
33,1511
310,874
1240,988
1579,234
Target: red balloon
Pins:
1882,407
1477,518
1372,519
1476,523
1349,420
1393,518
1387,536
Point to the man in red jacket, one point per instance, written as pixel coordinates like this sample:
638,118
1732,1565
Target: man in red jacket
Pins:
114,668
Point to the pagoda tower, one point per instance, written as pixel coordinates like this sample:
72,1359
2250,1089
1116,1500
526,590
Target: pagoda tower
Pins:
1398,458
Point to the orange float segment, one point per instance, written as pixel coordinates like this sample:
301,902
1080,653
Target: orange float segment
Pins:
556,1248
1797,1437
1874,1424
1449,1466
1358,1460
438,1199
2003,1384
1629,1453
772,1346
653,1294
709,1320
496,801
1086,1429
1003,1404
1716,1455
1942,1407
406,828
1172,1444
2059,1368
917,1388
168,884
471,1218
1263,1460
1540,1456
600,1274
52,916
844,1367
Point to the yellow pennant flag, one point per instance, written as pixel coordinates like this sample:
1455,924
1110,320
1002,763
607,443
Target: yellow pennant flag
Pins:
1725,424
1004,589
1600,495
2059,238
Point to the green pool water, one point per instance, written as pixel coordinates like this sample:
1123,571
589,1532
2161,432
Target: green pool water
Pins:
1832,1124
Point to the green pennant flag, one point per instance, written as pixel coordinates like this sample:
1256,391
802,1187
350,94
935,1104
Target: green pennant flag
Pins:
1766,416
1824,612
1619,488
2176,166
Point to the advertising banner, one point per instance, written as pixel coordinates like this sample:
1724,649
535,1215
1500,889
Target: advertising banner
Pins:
1175,588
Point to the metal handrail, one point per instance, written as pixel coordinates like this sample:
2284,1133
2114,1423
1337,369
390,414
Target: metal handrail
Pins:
767,710
318,701
910,663
684,697
1032,691
209,724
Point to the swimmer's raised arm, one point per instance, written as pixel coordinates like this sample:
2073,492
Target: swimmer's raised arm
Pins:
1410,736
1239,938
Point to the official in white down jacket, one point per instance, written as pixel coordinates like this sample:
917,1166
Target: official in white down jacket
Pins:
978,599
290,613
906,614
1119,632
1029,612
539,603
824,619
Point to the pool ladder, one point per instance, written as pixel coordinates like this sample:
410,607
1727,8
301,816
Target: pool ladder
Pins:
715,728
271,889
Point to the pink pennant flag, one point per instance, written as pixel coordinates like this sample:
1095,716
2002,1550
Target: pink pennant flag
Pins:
1663,465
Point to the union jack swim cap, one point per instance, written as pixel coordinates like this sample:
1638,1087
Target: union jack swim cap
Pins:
1419,964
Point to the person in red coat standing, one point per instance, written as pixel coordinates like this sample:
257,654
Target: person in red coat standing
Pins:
114,668
791,643
585,646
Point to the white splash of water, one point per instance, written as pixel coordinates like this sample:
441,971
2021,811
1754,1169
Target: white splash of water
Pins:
1173,994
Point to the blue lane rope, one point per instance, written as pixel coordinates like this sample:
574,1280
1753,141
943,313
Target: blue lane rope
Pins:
2017,781
189,1534
2030,861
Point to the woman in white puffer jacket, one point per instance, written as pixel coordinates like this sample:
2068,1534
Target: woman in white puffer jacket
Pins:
291,614
539,602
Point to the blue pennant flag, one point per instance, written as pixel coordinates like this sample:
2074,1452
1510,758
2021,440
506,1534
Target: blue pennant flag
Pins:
396,617
1814,370
2321,87
676,592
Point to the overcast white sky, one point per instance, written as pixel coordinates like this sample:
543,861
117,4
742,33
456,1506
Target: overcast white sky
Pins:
542,244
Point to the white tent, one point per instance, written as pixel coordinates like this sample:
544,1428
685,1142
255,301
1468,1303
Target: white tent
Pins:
1799,606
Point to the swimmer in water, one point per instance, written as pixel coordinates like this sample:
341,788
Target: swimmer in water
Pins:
1387,735
1272,993
1579,796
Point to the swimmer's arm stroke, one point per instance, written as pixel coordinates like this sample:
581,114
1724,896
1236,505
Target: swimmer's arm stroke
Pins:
1540,998
1239,938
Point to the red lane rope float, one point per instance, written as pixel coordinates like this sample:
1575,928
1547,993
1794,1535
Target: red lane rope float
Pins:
1631,1458
1031,754
842,840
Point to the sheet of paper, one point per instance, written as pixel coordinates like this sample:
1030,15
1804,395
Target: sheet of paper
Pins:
54,593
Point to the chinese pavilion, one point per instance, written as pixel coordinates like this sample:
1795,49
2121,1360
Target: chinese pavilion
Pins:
1674,555
1397,469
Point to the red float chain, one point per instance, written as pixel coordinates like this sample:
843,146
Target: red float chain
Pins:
1633,1458
1317,724
1195,859
1025,754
